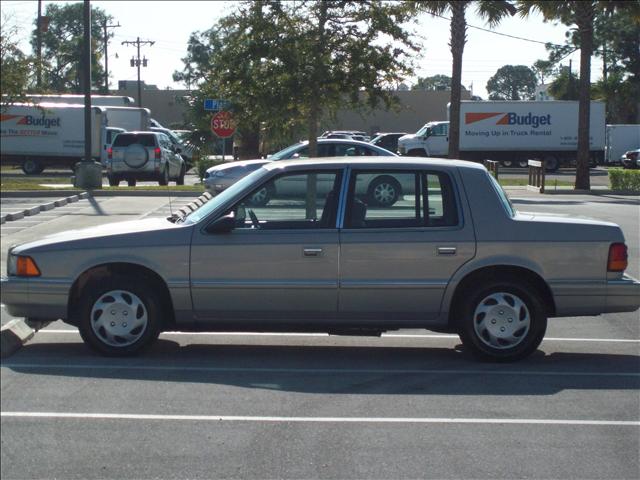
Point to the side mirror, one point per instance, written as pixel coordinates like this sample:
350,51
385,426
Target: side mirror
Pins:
224,224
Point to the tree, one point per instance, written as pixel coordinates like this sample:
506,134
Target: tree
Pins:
512,82
62,47
14,64
286,65
493,11
565,85
543,70
433,83
581,13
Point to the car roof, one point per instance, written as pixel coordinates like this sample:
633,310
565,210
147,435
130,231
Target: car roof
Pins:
391,162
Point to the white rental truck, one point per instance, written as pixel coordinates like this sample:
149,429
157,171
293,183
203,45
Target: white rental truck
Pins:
52,134
513,132
96,100
619,140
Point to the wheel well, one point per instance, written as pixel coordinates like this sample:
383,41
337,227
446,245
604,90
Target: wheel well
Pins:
481,275
417,151
95,274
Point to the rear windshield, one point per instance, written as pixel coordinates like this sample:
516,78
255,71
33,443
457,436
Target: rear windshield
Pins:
126,139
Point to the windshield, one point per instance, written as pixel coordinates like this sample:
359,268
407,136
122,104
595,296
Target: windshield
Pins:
504,198
422,131
223,197
286,153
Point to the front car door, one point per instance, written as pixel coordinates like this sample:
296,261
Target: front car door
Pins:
280,262
396,260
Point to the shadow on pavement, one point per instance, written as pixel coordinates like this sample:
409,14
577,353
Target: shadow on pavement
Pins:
349,370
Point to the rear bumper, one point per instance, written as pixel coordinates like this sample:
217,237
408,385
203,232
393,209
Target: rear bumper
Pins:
623,295
573,299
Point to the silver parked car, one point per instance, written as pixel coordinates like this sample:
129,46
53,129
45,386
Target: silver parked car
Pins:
144,156
452,255
220,177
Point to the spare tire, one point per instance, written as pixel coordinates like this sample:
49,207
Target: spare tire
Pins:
136,156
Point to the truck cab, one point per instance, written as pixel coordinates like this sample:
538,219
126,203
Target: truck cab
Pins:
432,140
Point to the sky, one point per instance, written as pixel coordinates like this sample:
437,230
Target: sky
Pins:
169,24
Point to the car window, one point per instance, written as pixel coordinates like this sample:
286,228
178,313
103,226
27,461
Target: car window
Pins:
440,130
379,199
291,201
126,139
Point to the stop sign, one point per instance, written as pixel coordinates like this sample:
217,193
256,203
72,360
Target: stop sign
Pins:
223,124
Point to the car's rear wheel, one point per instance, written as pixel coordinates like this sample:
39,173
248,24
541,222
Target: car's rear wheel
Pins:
119,316
504,320
113,180
180,179
383,191
260,198
131,182
164,177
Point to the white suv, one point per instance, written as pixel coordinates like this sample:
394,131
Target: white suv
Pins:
144,156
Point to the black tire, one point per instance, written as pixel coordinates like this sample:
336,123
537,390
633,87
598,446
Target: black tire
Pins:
383,191
416,152
523,163
131,300
507,163
180,179
164,177
131,182
32,166
526,321
551,163
260,198
113,181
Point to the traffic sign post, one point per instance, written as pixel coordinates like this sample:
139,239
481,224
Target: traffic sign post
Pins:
223,125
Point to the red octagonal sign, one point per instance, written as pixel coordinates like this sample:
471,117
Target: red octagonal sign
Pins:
223,124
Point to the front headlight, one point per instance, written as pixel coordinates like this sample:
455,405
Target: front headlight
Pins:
21,266
12,263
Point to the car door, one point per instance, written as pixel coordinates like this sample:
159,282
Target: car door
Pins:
438,140
396,261
280,262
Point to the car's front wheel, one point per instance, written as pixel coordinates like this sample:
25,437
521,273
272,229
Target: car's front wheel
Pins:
164,177
113,180
384,191
180,179
503,320
119,316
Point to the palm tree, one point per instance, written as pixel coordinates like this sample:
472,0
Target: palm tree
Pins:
581,13
493,11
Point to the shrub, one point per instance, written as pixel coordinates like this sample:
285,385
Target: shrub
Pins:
203,163
624,179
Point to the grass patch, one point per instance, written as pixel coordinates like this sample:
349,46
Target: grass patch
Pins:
156,188
34,183
521,182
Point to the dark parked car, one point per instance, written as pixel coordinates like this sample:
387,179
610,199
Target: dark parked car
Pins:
388,141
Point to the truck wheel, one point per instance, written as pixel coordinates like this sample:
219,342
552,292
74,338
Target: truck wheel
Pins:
523,163
120,316
31,166
507,163
503,320
113,181
417,152
384,191
131,182
551,163
164,178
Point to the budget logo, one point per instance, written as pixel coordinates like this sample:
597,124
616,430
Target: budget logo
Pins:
510,118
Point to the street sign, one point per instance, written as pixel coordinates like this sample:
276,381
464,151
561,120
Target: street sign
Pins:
223,124
215,104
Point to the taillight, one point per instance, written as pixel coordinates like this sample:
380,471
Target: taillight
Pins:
158,152
617,257
109,153
26,267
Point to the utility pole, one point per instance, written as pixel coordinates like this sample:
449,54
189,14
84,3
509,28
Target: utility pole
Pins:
135,62
106,56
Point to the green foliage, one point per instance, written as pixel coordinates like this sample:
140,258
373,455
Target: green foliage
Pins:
436,82
62,47
565,86
287,66
543,69
624,179
203,163
14,65
512,82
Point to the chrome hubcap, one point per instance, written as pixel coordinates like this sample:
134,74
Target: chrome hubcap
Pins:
501,320
119,318
384,193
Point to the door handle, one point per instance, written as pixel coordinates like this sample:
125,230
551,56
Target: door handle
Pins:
447,250
312,252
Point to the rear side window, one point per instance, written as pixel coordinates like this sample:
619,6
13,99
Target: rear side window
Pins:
126,139
393,199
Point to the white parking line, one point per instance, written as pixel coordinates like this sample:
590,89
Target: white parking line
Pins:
321,371
273,419
384,335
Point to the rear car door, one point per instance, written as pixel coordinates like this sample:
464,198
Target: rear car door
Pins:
396,259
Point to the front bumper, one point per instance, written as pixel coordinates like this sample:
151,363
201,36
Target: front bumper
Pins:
35,297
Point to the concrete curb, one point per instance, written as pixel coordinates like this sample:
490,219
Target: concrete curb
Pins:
591,192
16,333
29,212
101,193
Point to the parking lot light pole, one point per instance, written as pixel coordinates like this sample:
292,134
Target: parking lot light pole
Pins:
88,173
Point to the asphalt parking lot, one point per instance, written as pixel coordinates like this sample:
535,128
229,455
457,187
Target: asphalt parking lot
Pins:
411,404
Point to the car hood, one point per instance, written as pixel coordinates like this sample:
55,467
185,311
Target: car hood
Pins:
243,163
97,235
